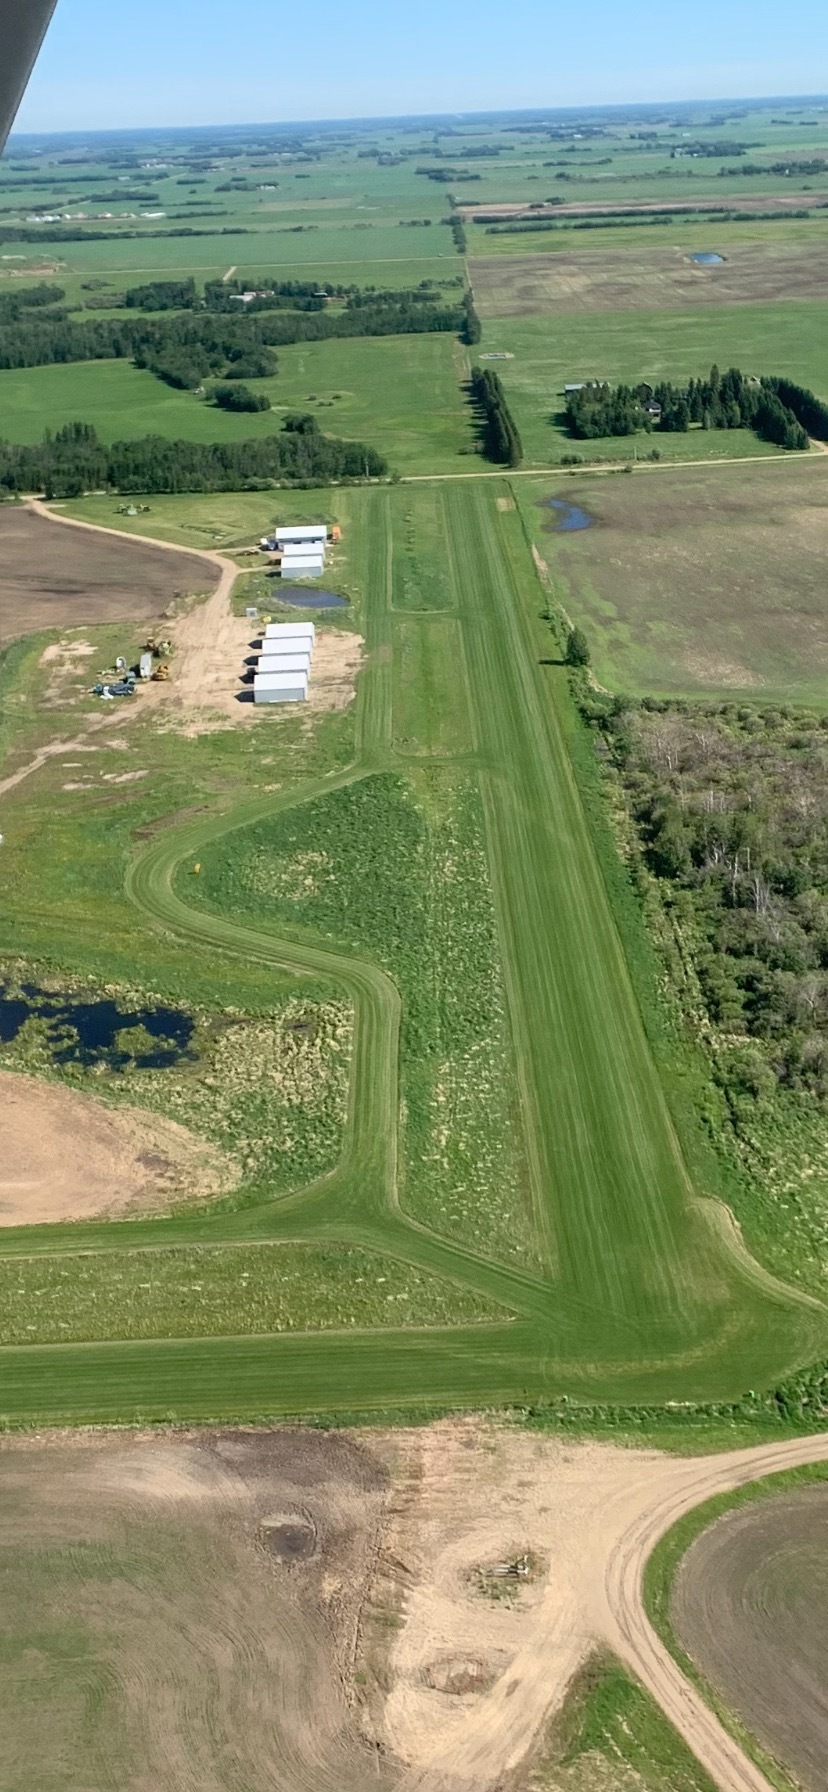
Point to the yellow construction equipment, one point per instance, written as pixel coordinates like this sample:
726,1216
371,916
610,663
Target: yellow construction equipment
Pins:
161,673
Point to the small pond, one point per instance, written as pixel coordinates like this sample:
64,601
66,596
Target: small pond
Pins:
301,599
708,259
96,1032
568,517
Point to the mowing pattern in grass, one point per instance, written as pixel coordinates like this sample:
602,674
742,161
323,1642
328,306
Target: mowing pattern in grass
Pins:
461,912
201,1292
421,577
405,880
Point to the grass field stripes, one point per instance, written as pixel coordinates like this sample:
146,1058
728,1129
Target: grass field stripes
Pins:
201,1292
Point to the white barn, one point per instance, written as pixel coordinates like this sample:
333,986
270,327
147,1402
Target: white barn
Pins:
280,687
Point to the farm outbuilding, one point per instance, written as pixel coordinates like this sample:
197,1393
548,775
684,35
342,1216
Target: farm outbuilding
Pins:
280,687
297,534
289,631
284,662
303,564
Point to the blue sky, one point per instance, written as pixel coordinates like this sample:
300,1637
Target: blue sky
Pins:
107,63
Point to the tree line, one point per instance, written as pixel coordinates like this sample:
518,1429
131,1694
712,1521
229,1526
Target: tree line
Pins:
775,409
74,460
501,441
193,344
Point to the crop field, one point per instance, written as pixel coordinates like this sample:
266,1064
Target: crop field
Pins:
750,1607
709,580
54,578
648,277
177,1599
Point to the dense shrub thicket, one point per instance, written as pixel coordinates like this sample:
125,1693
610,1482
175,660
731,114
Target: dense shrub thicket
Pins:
774,408
730,804
501,441
74,460
238,397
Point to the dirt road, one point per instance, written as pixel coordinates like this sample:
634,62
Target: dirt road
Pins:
590,1515
211,642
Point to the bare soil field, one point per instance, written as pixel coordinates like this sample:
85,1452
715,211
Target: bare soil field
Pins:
54,577
750,1606
319,1612
708,580
63,1156
184,1609
653,278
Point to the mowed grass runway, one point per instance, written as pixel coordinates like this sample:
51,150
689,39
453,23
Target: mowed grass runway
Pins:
641,1294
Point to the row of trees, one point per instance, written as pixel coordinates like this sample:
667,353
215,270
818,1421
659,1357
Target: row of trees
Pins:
74,460
776,410
207,341
501,441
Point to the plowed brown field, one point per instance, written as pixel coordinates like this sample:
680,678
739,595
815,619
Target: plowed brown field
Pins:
54,577
750,1606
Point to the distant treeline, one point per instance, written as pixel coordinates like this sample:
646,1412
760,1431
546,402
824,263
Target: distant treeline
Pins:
714,214
80,233
74,460
184,346
776,409
815,165
501,441
458,231
226,295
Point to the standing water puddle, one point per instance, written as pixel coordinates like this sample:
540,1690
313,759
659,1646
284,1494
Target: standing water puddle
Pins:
569,517
707,259
299,599
97,1032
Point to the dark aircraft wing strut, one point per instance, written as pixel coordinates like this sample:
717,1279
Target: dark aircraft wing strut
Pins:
22,29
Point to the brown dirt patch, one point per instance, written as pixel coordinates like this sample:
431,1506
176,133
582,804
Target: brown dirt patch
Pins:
173,1649
63,1156
55,577
220,1662
751,1607
650,278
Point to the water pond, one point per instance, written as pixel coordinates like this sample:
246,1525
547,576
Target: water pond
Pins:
708,259
301,599
97,1032
568,517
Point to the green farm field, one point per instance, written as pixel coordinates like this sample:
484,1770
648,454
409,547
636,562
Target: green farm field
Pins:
630,346
546,1170
402,393
696,581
